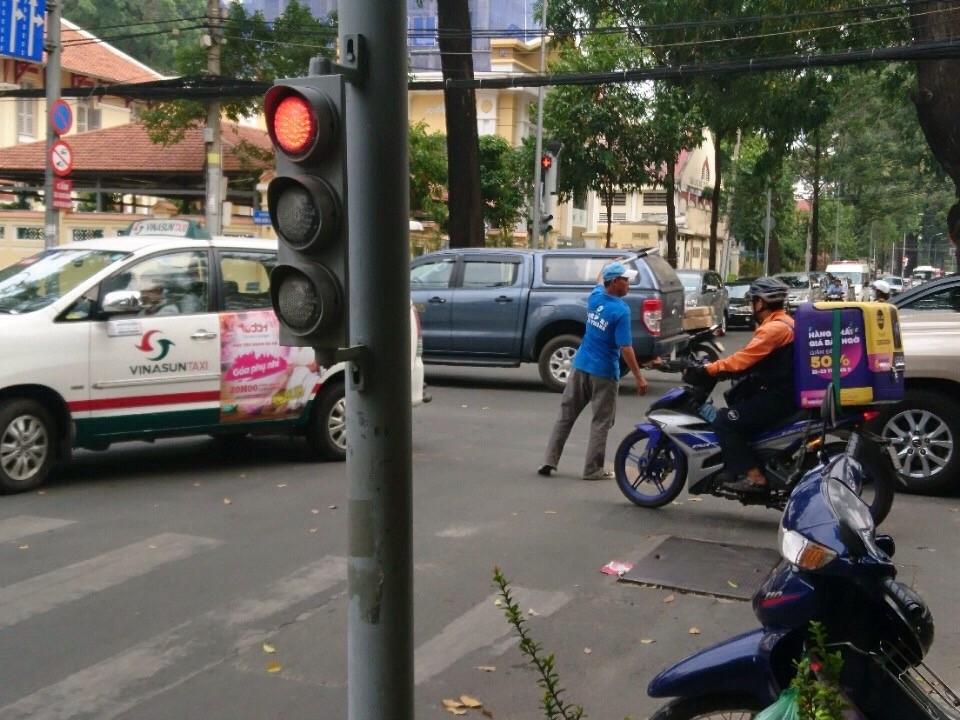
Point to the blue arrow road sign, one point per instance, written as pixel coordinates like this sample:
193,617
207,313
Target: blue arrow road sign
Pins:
21,28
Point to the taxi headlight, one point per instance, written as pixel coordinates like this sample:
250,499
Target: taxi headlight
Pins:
803,552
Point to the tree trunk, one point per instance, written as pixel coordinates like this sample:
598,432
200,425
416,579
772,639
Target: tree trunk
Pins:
773,262
463,159
815,206
669,183
715,201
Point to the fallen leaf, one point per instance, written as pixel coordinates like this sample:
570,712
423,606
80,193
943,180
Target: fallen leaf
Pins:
44,492
331,507
732,584
153,547
486,712
227,501
313,530
549,512
677,502
273,668
533,612
268,648
314,512
587,651
486,668
498,602
470,702
456,711
196,484
24,547
452,703
463,406
282,485
694,631
484,408
668,599
646,641
954,509
694,499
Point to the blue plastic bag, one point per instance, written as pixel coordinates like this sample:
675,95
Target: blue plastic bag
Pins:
708,411
785,708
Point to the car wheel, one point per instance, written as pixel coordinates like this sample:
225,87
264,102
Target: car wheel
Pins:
556,361
723,323
27,438
924,430
326,431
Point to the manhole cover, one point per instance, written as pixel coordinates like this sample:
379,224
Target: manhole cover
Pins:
699,566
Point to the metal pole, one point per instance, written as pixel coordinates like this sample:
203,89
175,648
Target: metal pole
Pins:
379,418
836,237
766,237
211,136
51,223
538,145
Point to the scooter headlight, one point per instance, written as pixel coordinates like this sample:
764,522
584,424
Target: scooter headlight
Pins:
803,552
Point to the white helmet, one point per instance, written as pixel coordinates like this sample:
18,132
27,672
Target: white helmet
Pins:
882,286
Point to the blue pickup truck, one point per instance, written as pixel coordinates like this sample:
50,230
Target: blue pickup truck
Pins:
503,307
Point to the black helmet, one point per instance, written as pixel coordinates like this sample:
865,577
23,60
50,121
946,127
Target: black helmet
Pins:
769,290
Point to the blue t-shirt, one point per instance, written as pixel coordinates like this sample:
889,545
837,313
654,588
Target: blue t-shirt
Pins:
608,329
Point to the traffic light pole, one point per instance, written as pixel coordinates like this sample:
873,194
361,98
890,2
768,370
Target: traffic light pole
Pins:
379,422
51,224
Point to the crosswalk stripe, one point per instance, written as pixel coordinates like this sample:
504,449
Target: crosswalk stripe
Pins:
479,627
43,593
17,528
110,688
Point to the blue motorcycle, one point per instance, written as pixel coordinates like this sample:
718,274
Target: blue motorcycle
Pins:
677,445
835,570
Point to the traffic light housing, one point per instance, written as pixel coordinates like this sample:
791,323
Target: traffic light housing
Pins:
545,226
307,200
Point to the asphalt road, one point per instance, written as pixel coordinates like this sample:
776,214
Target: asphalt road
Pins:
147,581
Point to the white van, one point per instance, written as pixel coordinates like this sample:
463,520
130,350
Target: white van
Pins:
858,276
134,338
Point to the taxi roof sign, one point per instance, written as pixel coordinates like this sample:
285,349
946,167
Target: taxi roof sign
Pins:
167,226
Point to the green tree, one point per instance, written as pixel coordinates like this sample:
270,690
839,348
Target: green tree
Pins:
428,174
501,189
602,127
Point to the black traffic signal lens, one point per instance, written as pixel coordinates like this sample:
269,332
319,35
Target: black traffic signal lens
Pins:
304,211
307,299
300,306
298,217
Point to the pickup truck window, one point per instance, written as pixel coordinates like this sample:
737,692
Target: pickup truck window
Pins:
486,274
563,270
432,275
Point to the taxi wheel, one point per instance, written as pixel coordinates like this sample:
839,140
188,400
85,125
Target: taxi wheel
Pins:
27,438
327,429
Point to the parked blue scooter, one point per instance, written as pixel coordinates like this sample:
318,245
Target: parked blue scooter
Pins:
837,571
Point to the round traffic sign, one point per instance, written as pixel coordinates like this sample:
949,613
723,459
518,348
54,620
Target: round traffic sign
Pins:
61,117
61,158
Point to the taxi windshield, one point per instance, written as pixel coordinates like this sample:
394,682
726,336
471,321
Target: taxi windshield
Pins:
39,280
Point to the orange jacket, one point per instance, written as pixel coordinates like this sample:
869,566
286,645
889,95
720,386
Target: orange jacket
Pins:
774,332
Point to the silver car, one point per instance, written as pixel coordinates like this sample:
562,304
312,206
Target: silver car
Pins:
924,428
804,287
704,288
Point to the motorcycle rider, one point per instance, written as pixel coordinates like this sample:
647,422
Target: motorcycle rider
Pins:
764,394
881,291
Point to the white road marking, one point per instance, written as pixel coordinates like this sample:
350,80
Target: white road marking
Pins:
479,627
26,525
43,593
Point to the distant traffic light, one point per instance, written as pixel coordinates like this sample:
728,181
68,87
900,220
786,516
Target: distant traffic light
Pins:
546,162
307,202
545,226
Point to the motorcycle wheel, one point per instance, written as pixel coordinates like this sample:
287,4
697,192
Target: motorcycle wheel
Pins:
637,471
710,707
704,354
879,477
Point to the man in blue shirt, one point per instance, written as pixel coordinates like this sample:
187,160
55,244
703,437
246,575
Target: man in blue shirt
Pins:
596,372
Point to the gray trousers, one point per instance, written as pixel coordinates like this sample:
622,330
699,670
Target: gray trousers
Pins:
601,394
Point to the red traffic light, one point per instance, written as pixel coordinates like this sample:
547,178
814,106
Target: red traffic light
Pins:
301,121
546,162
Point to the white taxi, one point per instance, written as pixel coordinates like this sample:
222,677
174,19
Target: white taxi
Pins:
134,338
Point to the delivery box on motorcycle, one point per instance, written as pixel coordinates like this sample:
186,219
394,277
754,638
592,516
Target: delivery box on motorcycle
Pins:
857,344
697,318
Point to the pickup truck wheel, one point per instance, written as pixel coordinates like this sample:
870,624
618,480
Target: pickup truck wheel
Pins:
556,361
327,428
27,437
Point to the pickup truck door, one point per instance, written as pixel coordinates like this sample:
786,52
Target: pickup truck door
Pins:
431,289
487,304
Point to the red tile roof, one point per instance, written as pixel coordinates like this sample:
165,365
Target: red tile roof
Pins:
85,54
127,149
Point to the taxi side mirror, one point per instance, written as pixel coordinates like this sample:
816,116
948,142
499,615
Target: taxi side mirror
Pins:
121,301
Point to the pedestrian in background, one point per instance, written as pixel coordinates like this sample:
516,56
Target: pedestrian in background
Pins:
595,379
